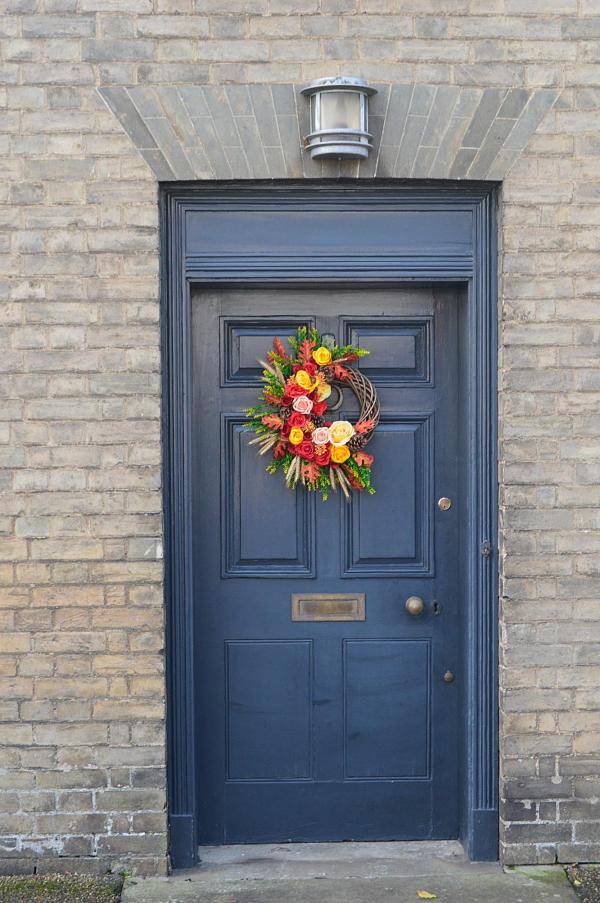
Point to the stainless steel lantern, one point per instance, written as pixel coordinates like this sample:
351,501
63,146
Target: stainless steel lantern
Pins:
339,117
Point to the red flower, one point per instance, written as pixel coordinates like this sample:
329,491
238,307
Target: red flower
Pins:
297,419
294,390
285,430
306,450
286,401
325,458
319,408
310,368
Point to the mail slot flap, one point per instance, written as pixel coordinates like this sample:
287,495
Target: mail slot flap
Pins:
328,607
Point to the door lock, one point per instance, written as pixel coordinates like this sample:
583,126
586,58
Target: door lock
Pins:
444,504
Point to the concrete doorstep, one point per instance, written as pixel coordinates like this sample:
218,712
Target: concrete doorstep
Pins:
350,873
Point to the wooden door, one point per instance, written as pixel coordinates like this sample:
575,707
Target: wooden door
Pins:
327,730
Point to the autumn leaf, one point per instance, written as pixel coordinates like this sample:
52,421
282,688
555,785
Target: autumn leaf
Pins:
425,895
305,350
363,459
279,449
340,372
364,426
273,421
272,399
311,471
279,349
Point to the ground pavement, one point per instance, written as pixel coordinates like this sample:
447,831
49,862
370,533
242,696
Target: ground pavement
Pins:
350,873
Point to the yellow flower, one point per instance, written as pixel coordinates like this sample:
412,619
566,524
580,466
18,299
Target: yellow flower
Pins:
296,435
340,453
303,379
322,356
340,432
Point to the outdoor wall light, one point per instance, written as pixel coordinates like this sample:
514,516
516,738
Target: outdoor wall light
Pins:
339,118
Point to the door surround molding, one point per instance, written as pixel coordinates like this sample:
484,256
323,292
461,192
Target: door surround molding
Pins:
474,267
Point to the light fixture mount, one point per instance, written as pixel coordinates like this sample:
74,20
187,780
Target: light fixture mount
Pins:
339,118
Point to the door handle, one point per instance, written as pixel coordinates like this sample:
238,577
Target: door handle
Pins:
414,606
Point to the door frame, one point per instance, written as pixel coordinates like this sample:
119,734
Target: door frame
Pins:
477,270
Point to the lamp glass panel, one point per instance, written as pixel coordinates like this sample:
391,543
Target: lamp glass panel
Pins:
340,110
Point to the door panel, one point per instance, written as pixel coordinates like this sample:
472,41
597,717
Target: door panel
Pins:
402,548
259,708
255,544
387,688
327,730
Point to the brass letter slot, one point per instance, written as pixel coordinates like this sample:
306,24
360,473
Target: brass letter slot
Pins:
328,607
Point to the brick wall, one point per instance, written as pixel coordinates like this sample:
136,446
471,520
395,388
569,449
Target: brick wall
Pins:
81,661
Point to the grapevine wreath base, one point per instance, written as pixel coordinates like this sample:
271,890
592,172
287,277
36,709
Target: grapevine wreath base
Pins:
293,418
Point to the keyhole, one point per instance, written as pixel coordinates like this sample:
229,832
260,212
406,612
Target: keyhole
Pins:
437,608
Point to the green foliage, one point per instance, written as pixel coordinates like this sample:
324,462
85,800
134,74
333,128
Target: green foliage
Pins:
348,350
362,474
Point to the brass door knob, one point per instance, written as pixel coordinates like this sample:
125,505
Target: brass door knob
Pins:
449,677
414,606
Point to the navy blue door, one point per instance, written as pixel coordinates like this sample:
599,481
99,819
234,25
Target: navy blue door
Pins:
312,730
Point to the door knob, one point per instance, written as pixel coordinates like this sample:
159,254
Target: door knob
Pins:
414,606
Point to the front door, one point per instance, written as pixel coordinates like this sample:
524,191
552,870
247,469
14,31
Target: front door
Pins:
321,730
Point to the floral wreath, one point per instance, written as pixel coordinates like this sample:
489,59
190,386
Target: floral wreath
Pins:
291,418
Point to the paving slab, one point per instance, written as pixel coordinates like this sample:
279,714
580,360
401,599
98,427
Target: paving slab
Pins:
349,873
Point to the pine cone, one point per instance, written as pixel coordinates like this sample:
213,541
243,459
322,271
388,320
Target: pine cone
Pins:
356,443
328,374
318,421
285,413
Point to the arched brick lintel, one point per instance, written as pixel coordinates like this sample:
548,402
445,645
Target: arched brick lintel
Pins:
255,131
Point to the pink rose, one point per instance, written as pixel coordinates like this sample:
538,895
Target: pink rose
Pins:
320,436
302,404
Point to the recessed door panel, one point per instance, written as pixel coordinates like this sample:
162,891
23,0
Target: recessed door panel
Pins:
399,349
269,722
254,542
386,693
245,341
389,533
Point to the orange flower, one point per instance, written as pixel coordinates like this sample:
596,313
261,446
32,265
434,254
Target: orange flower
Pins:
340,453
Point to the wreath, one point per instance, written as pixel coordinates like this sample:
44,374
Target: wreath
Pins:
291,420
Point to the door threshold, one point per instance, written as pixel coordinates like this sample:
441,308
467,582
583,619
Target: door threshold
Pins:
348,859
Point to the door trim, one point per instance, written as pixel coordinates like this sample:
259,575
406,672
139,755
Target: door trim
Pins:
475,268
